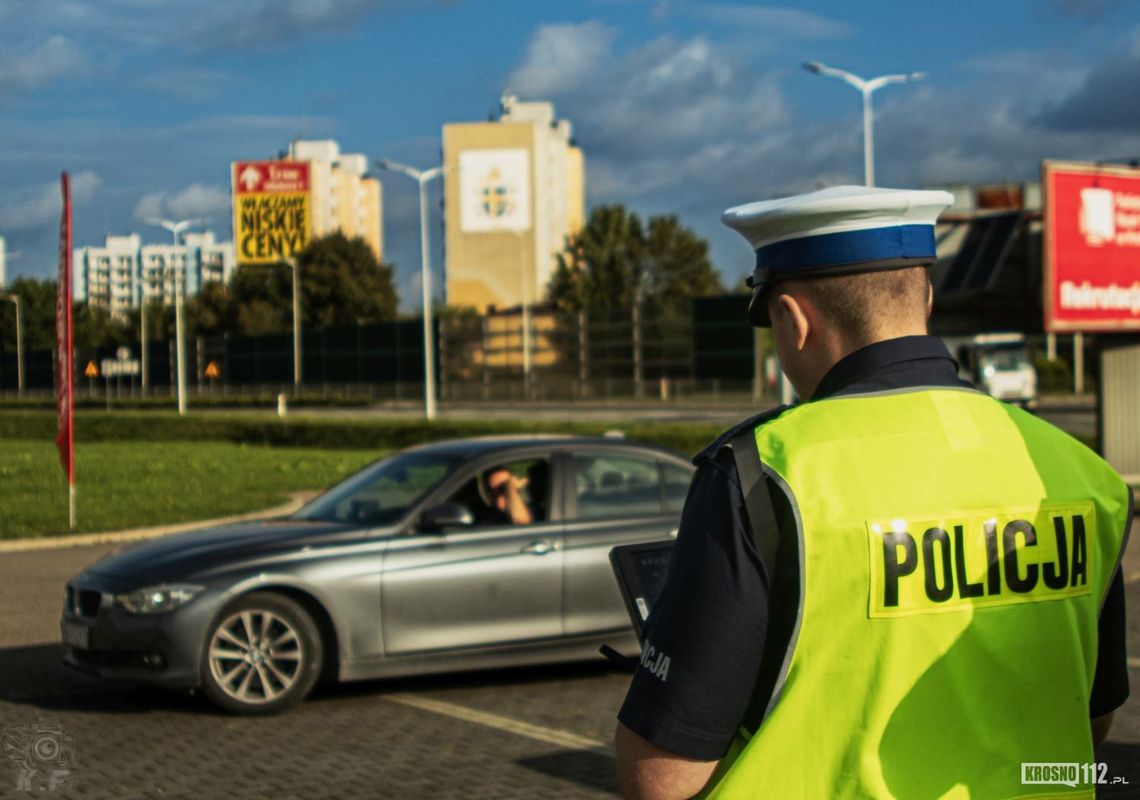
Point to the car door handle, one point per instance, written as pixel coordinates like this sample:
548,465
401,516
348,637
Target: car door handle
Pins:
539,548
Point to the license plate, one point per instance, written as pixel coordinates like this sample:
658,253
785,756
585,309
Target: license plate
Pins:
76,635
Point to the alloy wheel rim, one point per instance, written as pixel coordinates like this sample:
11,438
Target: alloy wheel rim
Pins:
255,656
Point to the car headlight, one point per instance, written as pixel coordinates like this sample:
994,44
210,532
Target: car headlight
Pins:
158,599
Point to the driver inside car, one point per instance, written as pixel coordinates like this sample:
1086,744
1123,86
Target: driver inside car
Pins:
506,491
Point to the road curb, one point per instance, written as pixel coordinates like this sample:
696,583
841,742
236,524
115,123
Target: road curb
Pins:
296,500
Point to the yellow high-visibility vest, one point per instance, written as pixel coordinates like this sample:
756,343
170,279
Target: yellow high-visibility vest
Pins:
954,553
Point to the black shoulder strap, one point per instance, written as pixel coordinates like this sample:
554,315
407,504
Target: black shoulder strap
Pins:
766,537
757,500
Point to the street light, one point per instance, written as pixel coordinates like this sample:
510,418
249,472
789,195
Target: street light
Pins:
867,88
293,265
177,228
422,177
15,300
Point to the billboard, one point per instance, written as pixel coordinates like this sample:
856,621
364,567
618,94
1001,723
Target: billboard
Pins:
272,210
1091,246
494,190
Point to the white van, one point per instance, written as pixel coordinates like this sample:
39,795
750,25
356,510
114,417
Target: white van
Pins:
999,364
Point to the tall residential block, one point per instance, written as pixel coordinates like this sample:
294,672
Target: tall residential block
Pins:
343,196
514,189
124,272
107,276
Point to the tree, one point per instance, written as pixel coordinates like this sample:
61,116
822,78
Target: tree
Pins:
212,312
159,321
37,314
341,282
598,267
267,289
615,260
93,328
677,261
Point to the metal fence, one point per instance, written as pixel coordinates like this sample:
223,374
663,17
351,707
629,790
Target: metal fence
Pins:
499,356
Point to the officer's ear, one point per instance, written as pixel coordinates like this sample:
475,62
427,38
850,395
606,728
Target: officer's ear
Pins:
794,316
929,299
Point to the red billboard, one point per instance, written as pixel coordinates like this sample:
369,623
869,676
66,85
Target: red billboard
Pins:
1091,247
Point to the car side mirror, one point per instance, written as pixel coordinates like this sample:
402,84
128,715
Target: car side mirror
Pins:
446,515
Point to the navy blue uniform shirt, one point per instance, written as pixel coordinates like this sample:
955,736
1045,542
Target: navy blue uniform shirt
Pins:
714,620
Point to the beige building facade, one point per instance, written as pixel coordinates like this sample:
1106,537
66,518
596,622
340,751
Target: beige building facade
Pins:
514,189
342,195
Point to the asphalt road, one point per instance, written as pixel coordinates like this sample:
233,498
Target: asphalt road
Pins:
540,732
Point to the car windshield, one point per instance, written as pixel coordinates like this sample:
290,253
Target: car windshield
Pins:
382,493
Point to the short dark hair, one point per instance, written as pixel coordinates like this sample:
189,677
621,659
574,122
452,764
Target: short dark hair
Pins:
856,304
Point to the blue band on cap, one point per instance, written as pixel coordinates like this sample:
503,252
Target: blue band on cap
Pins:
847,247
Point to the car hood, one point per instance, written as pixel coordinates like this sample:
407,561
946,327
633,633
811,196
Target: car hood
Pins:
185,555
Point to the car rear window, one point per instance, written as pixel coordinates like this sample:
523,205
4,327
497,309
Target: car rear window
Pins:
617,486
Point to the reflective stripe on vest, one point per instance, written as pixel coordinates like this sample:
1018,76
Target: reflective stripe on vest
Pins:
954,553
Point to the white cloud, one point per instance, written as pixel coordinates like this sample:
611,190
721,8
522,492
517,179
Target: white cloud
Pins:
270,22
54,58
114,27
667,97
559,57
1106,98
679,126
195,201
655,118
43,204
774,21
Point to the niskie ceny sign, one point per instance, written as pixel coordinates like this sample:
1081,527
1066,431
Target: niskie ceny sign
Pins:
272,210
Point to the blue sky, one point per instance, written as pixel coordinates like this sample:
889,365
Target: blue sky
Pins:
680,107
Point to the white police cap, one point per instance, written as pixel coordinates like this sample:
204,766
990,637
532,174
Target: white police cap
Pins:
836,231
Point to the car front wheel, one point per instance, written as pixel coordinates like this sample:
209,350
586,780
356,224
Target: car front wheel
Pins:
263,654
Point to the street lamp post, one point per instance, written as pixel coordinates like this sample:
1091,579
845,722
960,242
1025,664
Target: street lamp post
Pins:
422,177
15,300
292,262
866,87
180,338
143,341
176,228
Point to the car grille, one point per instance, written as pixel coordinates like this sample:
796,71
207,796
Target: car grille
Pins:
84,602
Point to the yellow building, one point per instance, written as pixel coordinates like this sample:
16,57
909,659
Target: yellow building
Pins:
343,197
514,189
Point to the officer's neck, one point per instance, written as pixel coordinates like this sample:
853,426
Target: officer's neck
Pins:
821,353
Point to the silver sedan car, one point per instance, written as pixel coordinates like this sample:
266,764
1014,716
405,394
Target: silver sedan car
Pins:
455,555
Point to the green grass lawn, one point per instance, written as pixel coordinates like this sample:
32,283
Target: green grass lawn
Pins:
133,484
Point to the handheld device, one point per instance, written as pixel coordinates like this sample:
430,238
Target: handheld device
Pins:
640,570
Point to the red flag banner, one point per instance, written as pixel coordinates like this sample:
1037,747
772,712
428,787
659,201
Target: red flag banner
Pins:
63,371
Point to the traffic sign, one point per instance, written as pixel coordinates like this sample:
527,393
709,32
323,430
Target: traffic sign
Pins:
212,370
91,371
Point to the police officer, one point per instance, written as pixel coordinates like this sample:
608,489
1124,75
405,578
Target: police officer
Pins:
897,587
